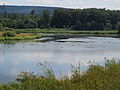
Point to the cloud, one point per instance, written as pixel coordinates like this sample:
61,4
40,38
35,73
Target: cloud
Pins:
111,4
5,2
2,2
43,2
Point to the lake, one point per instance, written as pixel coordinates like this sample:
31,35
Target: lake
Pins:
59,53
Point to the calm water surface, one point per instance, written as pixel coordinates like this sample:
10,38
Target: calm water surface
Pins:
59,53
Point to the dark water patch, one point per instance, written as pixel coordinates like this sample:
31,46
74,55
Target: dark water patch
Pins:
73,41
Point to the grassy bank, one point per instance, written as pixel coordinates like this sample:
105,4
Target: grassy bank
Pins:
64,31
25,34
20,36
96,77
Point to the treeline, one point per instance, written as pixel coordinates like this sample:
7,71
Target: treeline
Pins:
75,19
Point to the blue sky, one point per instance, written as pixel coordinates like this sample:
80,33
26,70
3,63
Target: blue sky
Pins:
110,4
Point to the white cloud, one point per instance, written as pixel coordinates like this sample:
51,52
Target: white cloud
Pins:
43,2
2,2
5,2
111,4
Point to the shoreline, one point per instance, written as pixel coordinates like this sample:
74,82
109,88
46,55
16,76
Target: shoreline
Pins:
58,33
20,38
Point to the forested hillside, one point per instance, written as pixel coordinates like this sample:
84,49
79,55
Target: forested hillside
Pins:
75,19
24,9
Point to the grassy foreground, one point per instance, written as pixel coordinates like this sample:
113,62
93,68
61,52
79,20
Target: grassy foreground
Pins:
96,77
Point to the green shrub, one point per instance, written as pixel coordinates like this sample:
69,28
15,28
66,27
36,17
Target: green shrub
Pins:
1,26
9,34
118,27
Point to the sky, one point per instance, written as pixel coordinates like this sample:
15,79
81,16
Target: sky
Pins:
109,4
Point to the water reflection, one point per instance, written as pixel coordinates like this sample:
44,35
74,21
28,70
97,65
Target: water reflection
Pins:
60,54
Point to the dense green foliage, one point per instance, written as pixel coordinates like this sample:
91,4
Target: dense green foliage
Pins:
118,27
9,34
75,19
20,38
16,38
1,26
96,77
86,19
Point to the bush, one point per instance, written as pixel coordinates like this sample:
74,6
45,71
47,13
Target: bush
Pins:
9,34
118,27
1,26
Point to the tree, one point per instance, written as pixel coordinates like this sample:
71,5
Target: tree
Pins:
9,34
33,12
46,18
1,26
108,26
78,19
118,27
61,18
77,26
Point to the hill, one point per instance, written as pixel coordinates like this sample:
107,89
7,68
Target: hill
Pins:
24,9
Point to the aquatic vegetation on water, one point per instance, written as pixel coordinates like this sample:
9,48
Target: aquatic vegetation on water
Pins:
96,77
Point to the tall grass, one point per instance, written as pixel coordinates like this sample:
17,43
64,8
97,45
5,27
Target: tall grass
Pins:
13,35
64,31
96,77
20,38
